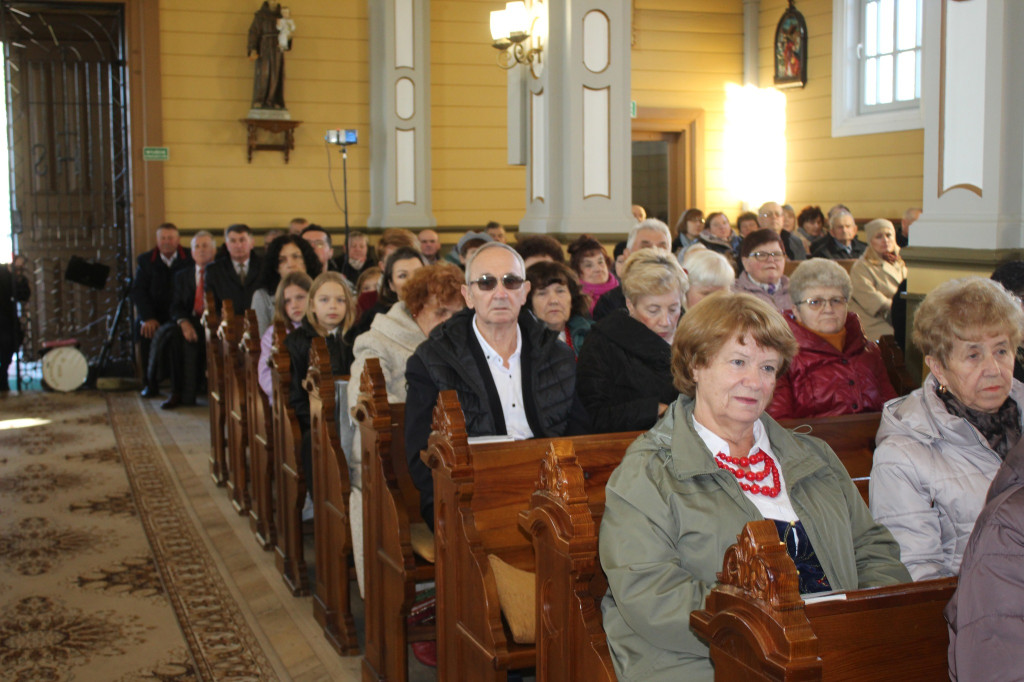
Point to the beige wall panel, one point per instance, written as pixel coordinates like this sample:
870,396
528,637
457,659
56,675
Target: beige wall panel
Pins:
876,175
689,21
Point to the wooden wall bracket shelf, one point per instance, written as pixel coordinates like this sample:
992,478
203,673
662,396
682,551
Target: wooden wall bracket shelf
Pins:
287,127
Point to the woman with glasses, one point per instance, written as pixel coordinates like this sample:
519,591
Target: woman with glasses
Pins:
763,257
876,275
623,377
837,370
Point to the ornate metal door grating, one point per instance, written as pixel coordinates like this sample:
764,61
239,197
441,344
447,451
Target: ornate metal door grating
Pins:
67,102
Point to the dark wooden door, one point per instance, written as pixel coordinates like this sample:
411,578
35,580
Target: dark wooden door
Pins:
67,103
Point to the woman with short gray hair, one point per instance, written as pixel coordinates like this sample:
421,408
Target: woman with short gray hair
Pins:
707,272
876,276
837,371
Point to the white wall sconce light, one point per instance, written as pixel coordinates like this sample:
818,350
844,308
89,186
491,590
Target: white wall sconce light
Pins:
517,32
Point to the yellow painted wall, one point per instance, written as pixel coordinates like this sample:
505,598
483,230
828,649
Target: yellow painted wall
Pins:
875,175
472,181
207,88
685,52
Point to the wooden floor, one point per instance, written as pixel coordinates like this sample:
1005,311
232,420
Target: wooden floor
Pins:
284,623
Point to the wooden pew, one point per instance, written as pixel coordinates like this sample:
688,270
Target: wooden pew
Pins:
564,519
391,515
288,475
230,335
759,628
331,531
896,365
215,392
479,491
260,438
851,436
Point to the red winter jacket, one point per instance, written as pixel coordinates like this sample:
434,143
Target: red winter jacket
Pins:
822,382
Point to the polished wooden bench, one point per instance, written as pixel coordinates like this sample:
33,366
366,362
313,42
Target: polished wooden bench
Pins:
851,436
332,534
564,519
260,438
479,491
288,475
215,392
759,627
900,377
391,517
230,335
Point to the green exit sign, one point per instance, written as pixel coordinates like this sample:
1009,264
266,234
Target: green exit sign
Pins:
632,109
156,153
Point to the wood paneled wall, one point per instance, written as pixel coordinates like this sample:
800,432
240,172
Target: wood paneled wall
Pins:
685,52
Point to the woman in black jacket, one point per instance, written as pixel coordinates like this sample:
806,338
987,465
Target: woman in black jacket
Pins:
623,377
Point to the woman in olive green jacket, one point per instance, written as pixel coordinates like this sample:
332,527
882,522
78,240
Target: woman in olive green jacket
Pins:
683,493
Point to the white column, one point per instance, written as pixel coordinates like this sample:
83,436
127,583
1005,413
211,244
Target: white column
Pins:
974,137
400,114
579,149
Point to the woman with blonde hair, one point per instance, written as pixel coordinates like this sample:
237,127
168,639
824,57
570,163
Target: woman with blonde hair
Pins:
939,448
875,276
622,374
330,312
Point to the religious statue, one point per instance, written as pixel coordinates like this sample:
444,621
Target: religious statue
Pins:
265,50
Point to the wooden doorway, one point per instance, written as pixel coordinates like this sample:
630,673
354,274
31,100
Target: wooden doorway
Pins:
668,166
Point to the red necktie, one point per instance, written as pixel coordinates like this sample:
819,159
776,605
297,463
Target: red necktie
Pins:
197,306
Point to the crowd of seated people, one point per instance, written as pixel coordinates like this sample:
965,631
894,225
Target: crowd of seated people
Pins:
704,348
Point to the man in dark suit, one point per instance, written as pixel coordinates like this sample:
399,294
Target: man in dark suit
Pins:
152,290
237,276
13,290
184,332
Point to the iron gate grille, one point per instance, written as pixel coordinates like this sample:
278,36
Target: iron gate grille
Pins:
67,103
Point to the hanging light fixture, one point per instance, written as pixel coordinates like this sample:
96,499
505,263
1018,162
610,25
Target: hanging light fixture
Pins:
511,28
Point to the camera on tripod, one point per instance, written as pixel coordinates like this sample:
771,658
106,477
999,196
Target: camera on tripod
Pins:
343,137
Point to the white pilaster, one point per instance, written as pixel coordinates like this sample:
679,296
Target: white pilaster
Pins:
974,138
400,114
580,151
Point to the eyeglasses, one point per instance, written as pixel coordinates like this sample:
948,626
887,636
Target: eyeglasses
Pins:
762,256
490,282
819,303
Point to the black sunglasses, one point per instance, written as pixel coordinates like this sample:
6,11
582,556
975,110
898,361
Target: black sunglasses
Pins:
489,282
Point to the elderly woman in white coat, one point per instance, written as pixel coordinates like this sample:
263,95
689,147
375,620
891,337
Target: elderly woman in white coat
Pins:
939,448
430,296
875,277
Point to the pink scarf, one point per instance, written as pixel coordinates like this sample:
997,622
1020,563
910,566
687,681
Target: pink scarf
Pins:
595,291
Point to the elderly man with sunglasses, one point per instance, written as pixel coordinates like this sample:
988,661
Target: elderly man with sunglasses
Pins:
763,256
512,374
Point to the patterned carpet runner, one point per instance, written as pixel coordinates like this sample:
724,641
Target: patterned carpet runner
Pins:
103,574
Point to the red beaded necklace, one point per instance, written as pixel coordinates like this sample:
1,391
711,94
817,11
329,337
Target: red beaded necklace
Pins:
723,460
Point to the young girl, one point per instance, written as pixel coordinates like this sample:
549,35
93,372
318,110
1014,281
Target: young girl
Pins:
593,266
289,307
330,312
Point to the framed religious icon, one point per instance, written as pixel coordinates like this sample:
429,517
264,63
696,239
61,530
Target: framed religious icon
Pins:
791,49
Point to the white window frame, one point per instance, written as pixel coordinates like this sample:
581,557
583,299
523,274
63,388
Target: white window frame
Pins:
846,116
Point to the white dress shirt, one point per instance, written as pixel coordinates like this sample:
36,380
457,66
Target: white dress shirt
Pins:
509,383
